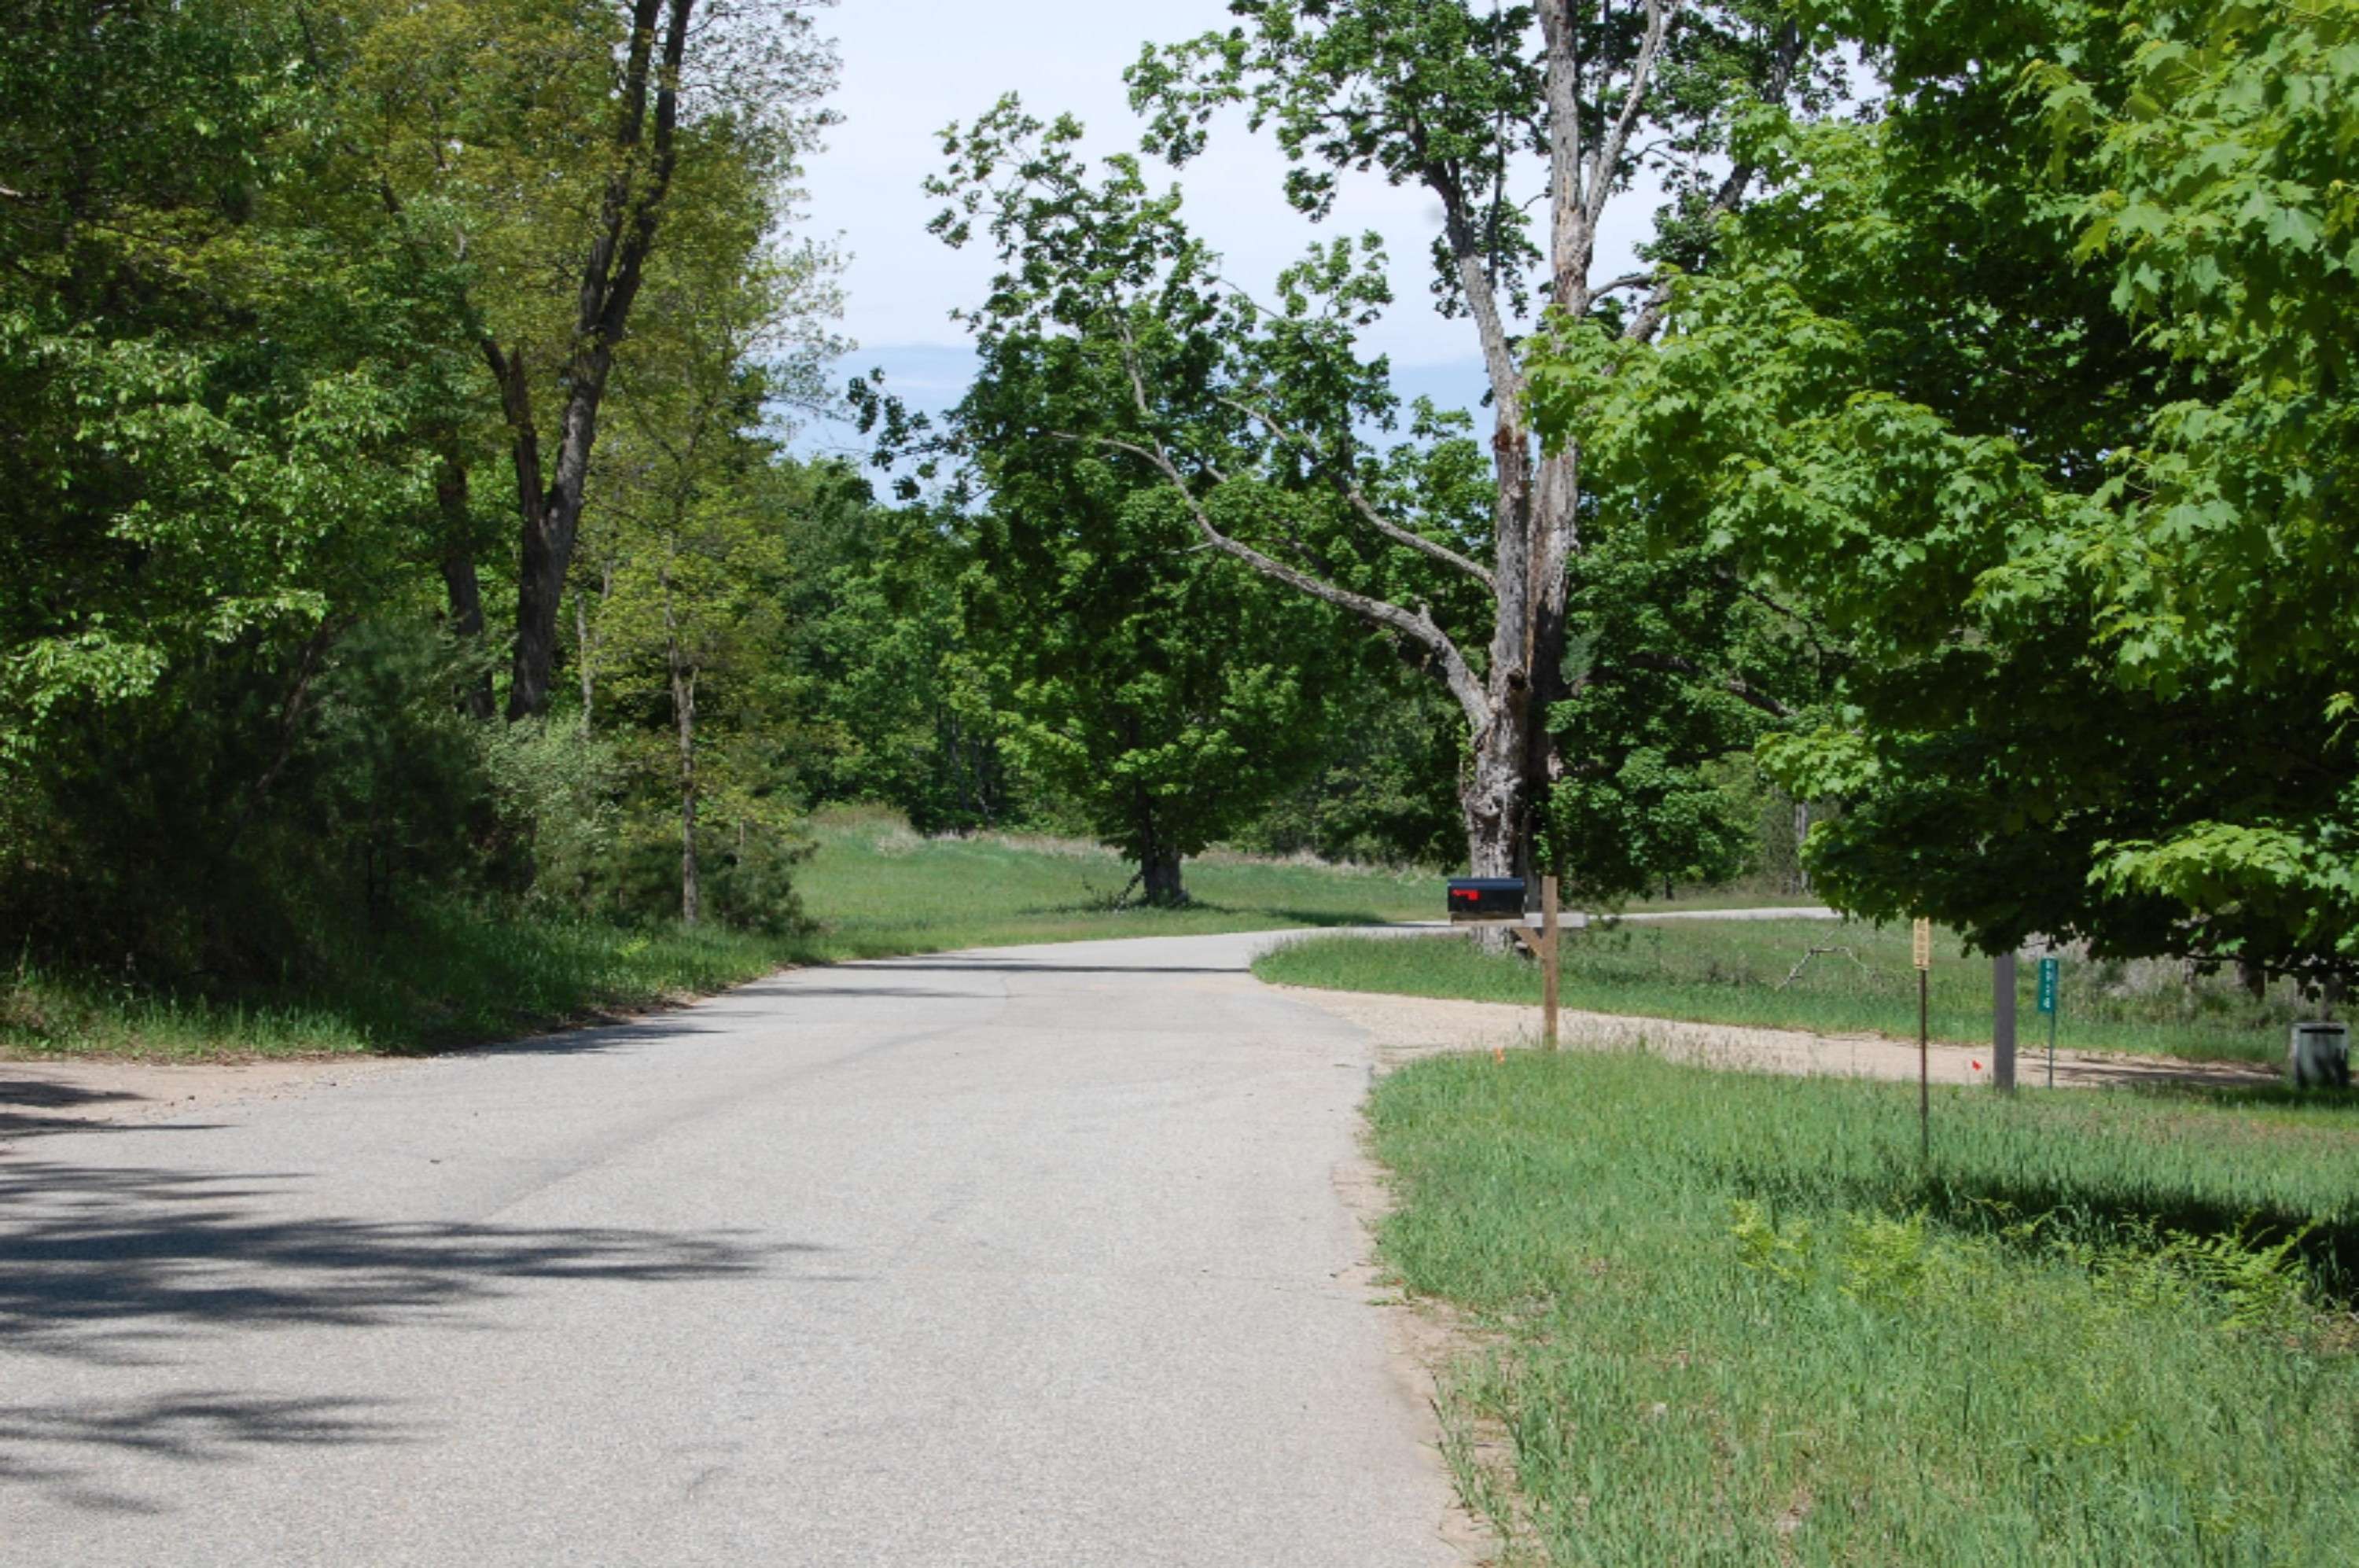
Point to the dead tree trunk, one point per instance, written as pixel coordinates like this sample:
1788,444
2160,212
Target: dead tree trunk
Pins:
1511,758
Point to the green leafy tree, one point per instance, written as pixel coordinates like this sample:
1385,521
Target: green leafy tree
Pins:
206,396
894,706
2035,389
1681,668
1168,698
530,156
1460,101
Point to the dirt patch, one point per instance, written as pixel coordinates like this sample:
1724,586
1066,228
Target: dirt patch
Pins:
38,1097
1405,1027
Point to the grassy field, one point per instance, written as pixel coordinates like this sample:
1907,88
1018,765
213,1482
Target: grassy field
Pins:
1736,972
874,887
871,889
1729,1318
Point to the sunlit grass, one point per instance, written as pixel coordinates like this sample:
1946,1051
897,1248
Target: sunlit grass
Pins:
874,888
1742,972
1732,1319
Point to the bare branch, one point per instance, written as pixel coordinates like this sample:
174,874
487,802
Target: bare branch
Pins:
1735,685
1607,155
1359,502
1473,274
1731,194
1418,625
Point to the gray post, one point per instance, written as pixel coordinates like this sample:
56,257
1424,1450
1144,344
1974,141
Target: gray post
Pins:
2003,1022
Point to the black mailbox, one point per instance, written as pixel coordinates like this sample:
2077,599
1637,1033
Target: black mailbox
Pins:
1486,897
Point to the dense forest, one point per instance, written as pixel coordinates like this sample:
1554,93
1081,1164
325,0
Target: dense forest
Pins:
397,403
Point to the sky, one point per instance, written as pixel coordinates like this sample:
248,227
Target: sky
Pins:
911,67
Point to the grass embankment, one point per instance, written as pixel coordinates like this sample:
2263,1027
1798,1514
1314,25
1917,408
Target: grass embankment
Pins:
1733,1320
1736,972
455,975
449,976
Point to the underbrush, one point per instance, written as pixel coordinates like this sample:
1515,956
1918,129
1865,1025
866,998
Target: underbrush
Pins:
1734,1318
451,974
1824,976
455,972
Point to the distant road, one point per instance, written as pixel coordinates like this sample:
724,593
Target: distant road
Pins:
1575,918
1031,1258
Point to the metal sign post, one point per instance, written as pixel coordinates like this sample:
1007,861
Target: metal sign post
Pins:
2048,977
1924,953
2003,1022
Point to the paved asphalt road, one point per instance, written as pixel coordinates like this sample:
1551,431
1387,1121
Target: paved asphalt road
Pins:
1028,1257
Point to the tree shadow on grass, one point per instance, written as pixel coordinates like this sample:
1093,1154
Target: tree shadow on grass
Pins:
948,966
2326,1104
1279,916
2002,1207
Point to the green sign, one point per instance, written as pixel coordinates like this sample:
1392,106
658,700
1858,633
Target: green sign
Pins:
2048,968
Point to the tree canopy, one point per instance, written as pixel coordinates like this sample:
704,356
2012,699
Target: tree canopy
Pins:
2034,388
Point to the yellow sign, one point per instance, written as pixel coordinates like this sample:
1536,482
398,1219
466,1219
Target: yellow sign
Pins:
1924,944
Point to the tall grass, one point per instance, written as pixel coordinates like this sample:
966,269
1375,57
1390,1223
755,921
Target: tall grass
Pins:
449,975
1741,972
1735,1321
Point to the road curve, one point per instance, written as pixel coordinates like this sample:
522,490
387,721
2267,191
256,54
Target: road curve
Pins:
1030,1256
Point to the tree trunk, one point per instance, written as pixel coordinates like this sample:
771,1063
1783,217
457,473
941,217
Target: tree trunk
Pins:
581,659
547,552
1159,876
1158,862
683,708
459,583
616,265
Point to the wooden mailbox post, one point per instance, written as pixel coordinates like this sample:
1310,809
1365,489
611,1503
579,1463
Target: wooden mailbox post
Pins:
1499,901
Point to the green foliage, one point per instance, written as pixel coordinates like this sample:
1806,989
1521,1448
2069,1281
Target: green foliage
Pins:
1168,697
895,707
1676,673
250,256
1385,791
2023,421
1735,1311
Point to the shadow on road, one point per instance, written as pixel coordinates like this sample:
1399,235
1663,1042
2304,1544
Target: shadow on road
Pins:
27,1103
1006,966
98,1263
112,1266
48,1445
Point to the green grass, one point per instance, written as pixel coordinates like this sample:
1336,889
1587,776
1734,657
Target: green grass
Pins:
451,976
1734,971
872,888
875,888
1729,1317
